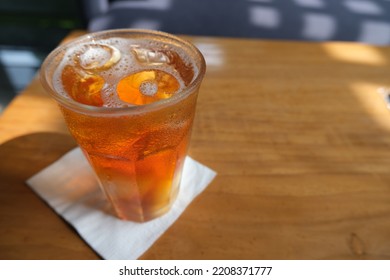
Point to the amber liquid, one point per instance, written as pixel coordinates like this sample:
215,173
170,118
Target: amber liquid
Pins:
138,157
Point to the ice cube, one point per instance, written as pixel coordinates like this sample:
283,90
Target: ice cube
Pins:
170,137
97,57
184,69
154,175
82,87
152,57
149,56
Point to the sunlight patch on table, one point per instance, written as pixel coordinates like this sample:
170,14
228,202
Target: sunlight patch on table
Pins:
369,97
356,54
212,53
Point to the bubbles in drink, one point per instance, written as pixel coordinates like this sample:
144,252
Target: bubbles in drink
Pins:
147,86
122,72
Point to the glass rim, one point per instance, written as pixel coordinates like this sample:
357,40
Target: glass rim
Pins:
89,109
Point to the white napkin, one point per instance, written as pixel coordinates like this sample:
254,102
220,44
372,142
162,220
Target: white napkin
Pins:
69,186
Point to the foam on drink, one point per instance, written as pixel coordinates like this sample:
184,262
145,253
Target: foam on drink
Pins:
120,72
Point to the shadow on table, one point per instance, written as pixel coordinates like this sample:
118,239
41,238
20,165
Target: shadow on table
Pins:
31,229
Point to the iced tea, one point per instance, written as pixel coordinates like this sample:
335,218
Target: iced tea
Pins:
128,98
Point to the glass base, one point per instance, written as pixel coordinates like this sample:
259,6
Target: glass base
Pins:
142,216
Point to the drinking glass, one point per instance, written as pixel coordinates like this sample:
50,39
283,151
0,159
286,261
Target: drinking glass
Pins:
128,98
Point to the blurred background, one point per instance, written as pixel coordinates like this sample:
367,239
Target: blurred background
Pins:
30,29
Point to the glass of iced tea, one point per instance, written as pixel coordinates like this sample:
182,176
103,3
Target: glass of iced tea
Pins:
128,98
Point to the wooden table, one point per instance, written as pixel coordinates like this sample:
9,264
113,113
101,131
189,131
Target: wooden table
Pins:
297,132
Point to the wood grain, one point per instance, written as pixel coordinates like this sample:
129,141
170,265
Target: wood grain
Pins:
297,132
30,229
